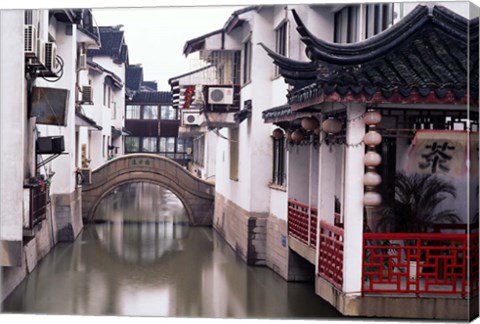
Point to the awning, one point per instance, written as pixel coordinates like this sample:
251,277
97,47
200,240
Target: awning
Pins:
284,113
82,120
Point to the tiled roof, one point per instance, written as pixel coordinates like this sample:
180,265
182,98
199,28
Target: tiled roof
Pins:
282,113
151,85
112,44
116,80
158,97
134,77
421,59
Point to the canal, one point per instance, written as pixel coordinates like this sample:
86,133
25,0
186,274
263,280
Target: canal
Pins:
140,258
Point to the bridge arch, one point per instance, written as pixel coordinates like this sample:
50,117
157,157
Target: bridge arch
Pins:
196,194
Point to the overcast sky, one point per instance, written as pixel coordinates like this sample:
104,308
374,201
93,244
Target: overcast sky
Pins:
156,36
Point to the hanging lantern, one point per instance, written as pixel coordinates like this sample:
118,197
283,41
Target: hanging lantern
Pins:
288,135
372,179
331,126
372,199
372,117
277,133
372,159
372,138
298,136
310,123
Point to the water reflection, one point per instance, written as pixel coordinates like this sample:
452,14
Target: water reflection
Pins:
141,222
160,267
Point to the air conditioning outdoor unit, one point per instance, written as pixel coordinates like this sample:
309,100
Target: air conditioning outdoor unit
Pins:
50,145
39,59
191,117
87,95
30,40
82,62
51,56
220,96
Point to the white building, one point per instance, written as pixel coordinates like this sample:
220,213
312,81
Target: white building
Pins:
39,137
103,98
299,208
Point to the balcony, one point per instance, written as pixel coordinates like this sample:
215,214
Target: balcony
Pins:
420,264
38,199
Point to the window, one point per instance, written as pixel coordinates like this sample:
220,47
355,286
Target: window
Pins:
133,112
279,175
247,61
345,25
103,145
107,95
167,113
198,150
378,17
149,144
132,144
281,39
114,110
171,144
150,112
233,137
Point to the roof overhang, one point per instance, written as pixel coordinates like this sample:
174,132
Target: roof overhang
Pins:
82,120
198,43
112,77
429,57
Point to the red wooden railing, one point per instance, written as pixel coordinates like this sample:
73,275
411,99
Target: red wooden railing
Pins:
330,255
444,259
302,222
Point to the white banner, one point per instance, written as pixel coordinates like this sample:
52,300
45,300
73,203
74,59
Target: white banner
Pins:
442,152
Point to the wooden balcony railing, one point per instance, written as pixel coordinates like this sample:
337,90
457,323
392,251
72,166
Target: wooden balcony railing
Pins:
420,264
330,254
38,204
302,222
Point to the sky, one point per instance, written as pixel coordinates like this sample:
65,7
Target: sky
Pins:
156,36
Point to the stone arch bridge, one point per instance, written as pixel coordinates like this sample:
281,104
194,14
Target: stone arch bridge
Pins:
196,195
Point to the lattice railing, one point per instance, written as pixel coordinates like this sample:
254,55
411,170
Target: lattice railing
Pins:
330,254
298,220
420,264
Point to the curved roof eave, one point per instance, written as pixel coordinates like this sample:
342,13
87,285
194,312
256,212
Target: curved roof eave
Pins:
380,44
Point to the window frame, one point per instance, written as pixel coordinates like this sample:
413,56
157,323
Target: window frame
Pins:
279,162
247,60
281,41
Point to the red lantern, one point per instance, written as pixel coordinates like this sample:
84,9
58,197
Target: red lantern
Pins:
277,133
310,123
298,136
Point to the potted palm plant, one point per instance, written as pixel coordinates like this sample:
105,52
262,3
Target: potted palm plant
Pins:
413,206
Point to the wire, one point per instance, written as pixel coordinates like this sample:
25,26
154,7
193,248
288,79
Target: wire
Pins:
59,72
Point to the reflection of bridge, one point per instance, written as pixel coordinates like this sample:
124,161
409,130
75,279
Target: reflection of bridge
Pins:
196,195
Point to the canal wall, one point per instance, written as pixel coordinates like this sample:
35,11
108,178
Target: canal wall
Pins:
34,250
244,231
260,239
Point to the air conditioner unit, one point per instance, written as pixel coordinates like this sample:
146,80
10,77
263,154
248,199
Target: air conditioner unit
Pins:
87,94
220,96
192,117
50,145
82,62
51,56
30,40
39,59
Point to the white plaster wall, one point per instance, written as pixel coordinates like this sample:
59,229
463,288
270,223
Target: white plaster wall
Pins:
12,121
298,173
209,171
64,166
